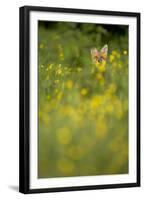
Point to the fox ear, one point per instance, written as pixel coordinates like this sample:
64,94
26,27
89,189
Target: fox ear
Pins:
94,52
105,49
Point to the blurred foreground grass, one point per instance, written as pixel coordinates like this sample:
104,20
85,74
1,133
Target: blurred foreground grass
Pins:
83,108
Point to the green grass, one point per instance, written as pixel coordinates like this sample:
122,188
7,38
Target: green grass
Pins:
83,107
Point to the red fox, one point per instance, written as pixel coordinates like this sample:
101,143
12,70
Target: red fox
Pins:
99,56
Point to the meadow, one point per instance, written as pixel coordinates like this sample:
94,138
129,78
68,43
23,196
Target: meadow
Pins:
83,106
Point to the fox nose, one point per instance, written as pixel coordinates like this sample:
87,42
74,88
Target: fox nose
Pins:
99,60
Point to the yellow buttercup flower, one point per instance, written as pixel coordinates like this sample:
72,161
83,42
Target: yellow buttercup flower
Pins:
112,88
75,152
48,97
49,66
101,66
83,91
114,52
59,95
44,118
64,136
109,108
57,81
58,71
95,102
101,128
41,46
61,56
41,66
65,166
118,108
79,69
111,58
125,52
69,84
99,76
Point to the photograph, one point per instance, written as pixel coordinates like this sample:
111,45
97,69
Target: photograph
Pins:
82,99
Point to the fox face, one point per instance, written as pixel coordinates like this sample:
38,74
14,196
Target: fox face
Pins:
99,56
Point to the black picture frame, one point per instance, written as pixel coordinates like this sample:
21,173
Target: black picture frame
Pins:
24,138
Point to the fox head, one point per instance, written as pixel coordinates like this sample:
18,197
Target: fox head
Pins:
99,56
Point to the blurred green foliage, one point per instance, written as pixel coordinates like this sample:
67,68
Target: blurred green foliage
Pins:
83,107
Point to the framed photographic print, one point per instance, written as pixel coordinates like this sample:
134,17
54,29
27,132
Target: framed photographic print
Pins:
79,99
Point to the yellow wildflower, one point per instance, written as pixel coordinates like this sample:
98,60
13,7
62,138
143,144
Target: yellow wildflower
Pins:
56,91
41,46
45,118
101,66
118,108
75,152
79,69
61,56
111,58
109,108
59,95
99,76
57,81
58,71
102,82
95,102
83,91
64,135
49,66
42,66
101,128
69,84
114,53
111,88
48,97
65,166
